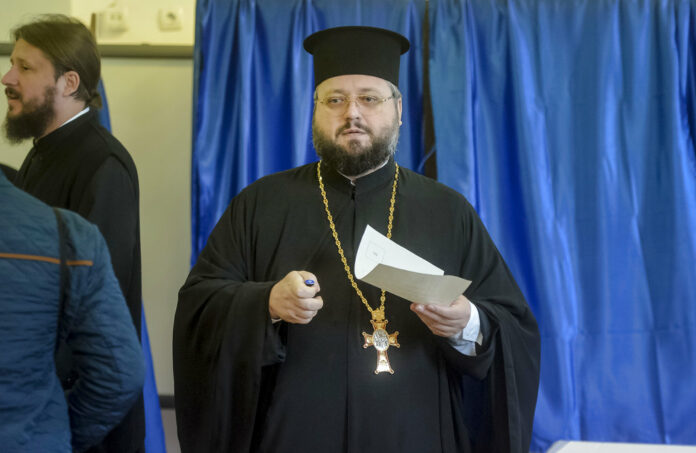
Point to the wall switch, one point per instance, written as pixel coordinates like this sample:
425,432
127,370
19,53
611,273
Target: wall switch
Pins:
170,19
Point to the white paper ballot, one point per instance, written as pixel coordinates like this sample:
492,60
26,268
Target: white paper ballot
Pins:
385,264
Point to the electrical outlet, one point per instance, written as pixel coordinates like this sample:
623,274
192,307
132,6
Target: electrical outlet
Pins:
170,19
112,20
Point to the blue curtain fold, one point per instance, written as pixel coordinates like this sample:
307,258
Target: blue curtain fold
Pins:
154,429
253,89
569,125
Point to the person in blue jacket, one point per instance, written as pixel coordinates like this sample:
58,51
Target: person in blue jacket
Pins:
57,284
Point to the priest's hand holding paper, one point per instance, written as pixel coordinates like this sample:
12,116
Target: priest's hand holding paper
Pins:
438,298
442,320
294,299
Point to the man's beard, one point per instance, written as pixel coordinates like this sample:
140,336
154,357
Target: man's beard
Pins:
359,158
35,117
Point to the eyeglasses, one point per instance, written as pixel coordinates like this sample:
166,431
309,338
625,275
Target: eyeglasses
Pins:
367,103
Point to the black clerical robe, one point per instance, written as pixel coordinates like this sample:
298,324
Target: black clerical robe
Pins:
82,167
10,172
243,384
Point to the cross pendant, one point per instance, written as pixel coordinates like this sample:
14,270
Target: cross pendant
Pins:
381,340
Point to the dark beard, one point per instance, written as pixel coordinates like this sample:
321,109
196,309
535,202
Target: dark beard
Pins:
355,163
34,119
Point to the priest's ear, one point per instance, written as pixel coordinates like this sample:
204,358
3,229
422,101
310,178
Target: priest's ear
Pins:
71,83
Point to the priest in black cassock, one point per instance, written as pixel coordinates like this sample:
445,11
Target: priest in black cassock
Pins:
278,348
76,164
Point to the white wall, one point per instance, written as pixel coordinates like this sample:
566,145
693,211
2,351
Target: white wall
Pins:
150,107
142,19
14,12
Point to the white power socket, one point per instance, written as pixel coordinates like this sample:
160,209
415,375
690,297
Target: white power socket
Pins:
170,19
112,20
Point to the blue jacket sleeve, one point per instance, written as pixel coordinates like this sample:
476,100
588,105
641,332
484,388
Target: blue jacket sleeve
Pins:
106,352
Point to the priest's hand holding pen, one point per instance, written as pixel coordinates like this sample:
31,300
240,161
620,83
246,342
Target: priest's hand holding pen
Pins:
294,299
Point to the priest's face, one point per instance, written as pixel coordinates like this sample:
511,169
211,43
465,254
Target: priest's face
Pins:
30,87
356,123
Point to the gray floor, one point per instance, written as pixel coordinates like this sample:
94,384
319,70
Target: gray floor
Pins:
169,424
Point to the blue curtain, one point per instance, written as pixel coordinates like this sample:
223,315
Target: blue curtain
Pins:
570,125
253,87
154,431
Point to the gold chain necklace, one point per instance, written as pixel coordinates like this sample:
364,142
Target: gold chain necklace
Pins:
380,339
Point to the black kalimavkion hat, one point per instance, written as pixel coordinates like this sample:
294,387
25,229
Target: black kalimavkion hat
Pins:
356,50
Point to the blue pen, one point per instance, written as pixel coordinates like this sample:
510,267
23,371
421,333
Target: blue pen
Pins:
309,282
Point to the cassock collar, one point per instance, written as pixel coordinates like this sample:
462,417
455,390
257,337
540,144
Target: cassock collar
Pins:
378,179
44,144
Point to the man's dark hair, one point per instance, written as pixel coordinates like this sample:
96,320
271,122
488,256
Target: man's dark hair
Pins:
70,46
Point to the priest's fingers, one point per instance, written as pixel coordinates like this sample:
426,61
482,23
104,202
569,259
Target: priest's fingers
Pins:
305,310
284,296
443,320
432,325
310,304
437,328
302,317
301,283
426,312
458,311
310,284
294,298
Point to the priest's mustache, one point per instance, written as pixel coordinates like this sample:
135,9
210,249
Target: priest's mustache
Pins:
354,125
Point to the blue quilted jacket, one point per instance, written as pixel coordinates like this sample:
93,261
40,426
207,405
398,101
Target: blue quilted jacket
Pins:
35,414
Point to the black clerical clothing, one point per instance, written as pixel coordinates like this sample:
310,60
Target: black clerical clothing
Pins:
82,167
10,172
244,384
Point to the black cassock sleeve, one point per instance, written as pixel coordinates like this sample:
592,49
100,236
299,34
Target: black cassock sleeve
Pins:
111,203
220,353
500,384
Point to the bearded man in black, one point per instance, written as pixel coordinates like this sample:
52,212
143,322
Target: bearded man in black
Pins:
278,348
76,164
